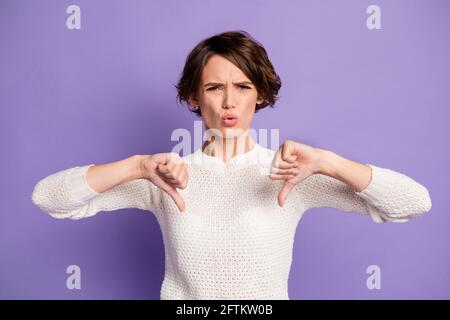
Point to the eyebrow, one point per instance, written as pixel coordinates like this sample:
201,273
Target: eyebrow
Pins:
220,84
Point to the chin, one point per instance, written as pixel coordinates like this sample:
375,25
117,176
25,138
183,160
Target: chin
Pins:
228,132
232,132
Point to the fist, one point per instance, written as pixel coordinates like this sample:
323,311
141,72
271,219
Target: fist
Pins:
293,162
168,172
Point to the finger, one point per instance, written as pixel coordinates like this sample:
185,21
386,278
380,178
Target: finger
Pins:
177,175
183,176
170,160
169,170
171,191
287,153
163,168
186,179
279,157
287,187
177,182
173,157
279,162
182,185
285,165
176,171
281,176
293,171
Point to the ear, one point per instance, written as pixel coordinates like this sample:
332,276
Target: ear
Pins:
259,100
193,102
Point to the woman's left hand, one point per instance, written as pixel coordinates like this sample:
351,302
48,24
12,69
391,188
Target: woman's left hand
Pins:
294,162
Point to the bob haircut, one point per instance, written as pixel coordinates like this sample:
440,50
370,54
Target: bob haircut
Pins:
241,50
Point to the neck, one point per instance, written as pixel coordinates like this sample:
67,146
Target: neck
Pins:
226,148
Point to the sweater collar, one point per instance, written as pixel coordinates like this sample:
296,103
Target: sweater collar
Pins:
257,154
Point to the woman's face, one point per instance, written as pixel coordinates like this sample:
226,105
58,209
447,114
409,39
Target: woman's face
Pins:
225,90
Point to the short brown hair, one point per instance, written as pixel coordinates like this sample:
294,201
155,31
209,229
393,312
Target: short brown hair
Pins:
244,52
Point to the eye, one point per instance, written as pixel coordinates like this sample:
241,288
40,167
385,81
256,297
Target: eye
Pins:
243,87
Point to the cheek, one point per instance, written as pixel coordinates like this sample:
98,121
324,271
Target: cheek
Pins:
250,104
248,116
210,104
209,112
251,99
248,113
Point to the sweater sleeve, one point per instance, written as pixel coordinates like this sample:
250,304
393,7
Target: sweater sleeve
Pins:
390,195
66,194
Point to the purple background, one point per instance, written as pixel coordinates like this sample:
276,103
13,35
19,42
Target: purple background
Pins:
105,92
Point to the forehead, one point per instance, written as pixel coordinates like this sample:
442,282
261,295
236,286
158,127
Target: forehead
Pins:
219,68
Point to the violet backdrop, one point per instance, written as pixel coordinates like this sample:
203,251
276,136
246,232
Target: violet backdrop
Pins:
106,91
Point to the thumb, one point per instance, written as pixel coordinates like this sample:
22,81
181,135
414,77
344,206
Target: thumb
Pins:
287,187
171,191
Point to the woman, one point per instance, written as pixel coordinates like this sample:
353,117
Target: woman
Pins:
240,202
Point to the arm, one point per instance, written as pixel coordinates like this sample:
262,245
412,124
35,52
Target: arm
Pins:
324,179
105,176
81,192
354,174
384,194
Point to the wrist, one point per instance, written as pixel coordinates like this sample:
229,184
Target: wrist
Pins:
135,166
327,162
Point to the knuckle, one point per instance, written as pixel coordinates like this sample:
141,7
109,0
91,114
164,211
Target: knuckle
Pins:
170,165
175,157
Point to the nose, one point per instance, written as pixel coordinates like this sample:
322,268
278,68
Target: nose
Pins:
227,100
227,106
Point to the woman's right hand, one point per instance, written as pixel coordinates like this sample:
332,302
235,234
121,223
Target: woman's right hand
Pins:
168,172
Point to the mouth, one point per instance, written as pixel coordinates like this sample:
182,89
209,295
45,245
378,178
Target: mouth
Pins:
229,120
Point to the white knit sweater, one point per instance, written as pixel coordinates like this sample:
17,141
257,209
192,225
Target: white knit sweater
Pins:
233,241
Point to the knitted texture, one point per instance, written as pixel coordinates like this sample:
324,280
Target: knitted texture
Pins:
233,241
